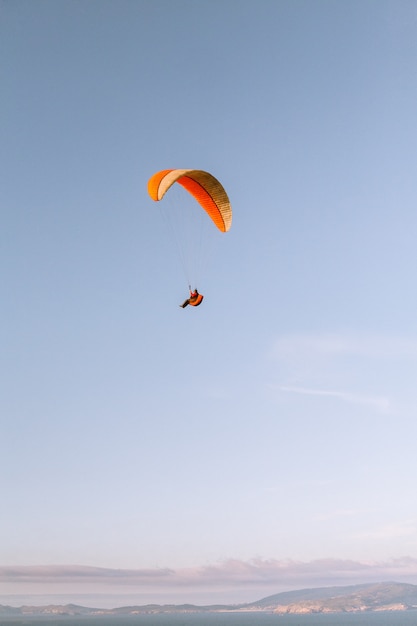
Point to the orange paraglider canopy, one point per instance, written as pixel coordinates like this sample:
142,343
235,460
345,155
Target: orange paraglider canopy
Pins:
206,189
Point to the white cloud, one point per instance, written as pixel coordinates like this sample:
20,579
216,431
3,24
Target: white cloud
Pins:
380,403
336,344
404,528
372,371
339,513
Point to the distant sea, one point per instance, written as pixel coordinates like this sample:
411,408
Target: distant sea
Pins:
386,618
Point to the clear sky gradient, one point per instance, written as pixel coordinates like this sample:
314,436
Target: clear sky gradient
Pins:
267,439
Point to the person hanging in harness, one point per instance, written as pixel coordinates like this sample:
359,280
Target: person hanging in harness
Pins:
194,300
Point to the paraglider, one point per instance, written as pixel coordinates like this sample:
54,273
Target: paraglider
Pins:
210,196
195,299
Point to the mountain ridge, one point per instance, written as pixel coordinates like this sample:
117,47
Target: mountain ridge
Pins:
383,596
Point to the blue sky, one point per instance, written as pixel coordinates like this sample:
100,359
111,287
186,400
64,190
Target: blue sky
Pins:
265,440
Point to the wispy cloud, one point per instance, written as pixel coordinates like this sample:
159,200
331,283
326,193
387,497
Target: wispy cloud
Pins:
339,513
337,344
365,370
404,528
380,403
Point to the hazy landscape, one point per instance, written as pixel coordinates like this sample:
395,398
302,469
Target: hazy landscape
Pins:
324,600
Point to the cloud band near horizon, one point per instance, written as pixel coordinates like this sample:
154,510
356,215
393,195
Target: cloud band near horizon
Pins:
274,574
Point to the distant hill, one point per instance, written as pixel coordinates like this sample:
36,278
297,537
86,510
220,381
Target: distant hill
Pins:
354,598
368,597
